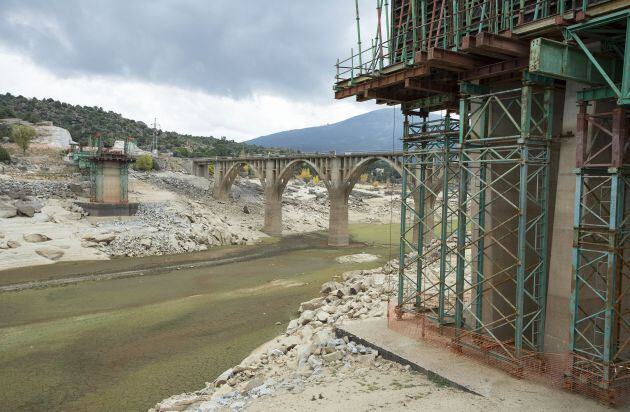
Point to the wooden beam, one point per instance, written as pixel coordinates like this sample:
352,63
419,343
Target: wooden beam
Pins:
495,43
495,69
451,60
384,81
428,85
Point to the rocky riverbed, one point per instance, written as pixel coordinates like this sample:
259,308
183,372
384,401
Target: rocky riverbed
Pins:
176,214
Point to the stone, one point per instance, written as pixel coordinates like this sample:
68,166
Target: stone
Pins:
246,210
28,211
312,304
249,385
88,244
146,242
329,287
104,237
367,359
332,357
7,211
351,275
322,337
36,238
50,253
13,244
223,378
303,352
306,317
293,325
322,316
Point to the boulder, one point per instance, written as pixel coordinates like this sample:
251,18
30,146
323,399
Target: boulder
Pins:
7,211
293,325
322,316
329,287
351,275
249,385
28,207
303,352
50,253
306,317
246,210
13,244
104,237
36,238
312,304
332,357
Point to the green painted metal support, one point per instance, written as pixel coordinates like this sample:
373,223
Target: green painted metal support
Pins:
562,61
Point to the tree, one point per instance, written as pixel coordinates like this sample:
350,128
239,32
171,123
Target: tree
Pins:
22,136
315,180
364,178
305,174
144,162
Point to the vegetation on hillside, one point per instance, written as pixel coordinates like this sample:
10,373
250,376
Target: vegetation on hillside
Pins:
84,121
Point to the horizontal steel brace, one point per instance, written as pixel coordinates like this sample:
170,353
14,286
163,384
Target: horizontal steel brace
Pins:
566,62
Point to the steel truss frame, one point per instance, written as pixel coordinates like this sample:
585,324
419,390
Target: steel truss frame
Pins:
600,301
502,223
429,217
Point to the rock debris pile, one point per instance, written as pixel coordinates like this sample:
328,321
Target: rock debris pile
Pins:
158,229
308,353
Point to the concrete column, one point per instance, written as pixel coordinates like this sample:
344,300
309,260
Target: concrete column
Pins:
273,211
273,200
338,219
221,188
558,315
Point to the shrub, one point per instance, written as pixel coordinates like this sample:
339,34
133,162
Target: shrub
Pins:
144,162
4,156
22,136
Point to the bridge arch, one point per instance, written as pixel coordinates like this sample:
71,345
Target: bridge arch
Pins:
285,174
229,176
355,173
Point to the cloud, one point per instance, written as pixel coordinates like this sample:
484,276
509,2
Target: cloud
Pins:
235,48
184,110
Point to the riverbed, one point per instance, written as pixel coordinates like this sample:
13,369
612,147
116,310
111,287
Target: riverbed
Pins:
125,343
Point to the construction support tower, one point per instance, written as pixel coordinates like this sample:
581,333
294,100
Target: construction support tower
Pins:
503,102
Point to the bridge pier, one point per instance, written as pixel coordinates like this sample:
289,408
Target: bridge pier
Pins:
338,234
338,172
273,211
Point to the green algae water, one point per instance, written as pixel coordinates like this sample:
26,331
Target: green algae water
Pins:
125,344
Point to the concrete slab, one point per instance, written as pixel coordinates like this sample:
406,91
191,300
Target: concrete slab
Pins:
447,367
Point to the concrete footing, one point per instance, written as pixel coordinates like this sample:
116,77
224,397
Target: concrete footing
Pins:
446,367
109,209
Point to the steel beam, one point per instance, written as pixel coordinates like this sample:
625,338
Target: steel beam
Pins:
562,61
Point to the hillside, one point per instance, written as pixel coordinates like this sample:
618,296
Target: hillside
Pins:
367,132
84,121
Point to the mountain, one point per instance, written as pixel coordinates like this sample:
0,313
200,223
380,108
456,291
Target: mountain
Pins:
367,132
84,121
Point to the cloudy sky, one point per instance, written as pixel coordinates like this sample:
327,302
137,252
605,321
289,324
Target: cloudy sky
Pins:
239,68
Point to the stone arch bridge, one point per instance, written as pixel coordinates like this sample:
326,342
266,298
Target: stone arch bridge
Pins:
338,172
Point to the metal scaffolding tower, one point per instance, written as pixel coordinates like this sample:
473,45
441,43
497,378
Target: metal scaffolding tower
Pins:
600,304
475,232
429,216
503,213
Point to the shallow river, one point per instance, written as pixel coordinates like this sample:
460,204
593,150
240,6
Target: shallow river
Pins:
125,344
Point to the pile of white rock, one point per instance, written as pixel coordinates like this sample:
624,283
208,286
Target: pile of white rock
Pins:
307,353
158,229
